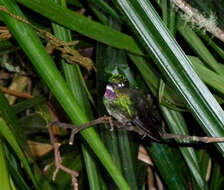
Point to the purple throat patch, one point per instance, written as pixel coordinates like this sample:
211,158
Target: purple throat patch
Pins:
110,94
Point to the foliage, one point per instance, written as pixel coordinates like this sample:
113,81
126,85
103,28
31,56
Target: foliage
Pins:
179,65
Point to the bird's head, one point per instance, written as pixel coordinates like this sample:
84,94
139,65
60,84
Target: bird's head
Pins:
114,88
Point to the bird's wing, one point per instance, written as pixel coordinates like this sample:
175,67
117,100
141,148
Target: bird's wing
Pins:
149,129
145,119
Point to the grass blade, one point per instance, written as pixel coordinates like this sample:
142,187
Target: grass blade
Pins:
198,46
81,24
4,175
177,125
168,161
7,134
74,80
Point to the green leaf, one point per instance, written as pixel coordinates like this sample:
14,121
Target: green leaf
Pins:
4,174
169,163
105,7
81,24
177,125
9,137
12,132
26,104
211,78
8,114
216,47
198,46
78,88
15,171
217,179
152,78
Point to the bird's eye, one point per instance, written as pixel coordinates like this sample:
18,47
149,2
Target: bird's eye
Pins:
123,84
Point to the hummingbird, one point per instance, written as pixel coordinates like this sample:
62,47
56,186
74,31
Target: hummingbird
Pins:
131,107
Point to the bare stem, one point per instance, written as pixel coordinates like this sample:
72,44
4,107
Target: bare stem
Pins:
108,120
58,160
77,129
190,139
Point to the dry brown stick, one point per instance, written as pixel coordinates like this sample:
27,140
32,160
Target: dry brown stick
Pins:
164,136
16,93
77,129
105,119
58,160
187,138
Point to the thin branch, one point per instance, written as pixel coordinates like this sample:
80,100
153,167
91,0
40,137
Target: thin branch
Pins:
107,119
190,139
58,160
16,93
76,129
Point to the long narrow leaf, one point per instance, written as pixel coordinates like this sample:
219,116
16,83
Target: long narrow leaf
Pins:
199,47
4,175
8,135
13,134
81,24
74,80
169,164
177,125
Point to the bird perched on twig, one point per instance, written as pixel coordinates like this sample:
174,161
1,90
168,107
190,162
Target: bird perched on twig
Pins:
131,107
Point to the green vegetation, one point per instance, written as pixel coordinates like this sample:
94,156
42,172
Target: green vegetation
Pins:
62,53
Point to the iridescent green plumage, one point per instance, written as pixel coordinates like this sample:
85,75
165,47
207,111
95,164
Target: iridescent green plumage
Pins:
122,104
131,107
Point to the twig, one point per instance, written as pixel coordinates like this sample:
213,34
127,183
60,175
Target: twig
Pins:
190,139
77,129
199,19
58,160
107,119
16,93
